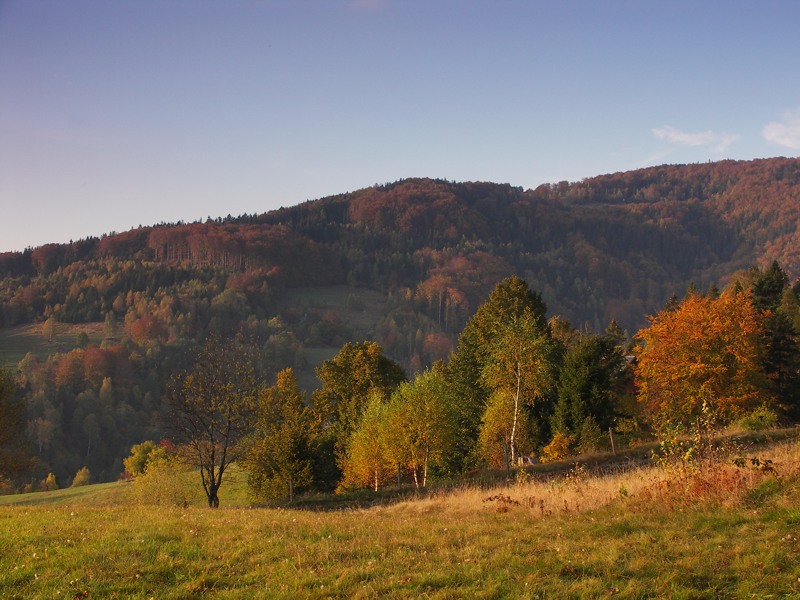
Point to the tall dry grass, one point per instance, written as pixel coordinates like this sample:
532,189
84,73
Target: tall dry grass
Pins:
724,477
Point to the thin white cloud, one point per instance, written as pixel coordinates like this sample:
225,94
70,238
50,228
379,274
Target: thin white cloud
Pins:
786,132
717,142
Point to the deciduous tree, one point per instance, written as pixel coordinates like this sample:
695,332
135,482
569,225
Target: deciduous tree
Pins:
213,409
15,457
519,370
702,358
348,381
141,456
465,370
421,424
369,461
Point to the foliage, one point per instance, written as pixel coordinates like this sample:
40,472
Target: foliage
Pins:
494,439
369,461
420,425
166,482
213,409
759,419
49,483
559,448
282,450
356,374
82,477
470,371
423,253
590,437
780,309
519,368
588,384
141,456
15,457
50,329
702,359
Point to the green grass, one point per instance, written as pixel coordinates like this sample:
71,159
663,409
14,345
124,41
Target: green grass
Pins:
98,542
141,552
16,342
360,320
94,494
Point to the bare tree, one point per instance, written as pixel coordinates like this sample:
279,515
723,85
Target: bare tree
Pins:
213,409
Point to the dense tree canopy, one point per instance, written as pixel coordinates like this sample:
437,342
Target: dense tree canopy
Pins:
519,369
15,458
282,445
420,424
349,380
588,382
511,302
702,359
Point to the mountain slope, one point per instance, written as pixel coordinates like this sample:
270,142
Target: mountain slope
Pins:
614,246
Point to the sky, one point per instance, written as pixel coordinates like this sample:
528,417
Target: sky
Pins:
115,114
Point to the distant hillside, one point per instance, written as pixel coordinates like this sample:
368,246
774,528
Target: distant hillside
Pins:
613,246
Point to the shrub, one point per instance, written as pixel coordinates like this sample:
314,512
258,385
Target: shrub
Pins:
559,448
166,482
759,419
82,477
48,484
591,438
141,456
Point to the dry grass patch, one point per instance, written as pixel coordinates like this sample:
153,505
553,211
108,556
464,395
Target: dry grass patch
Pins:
731,480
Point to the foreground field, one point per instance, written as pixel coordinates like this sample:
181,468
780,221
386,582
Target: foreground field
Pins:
722,531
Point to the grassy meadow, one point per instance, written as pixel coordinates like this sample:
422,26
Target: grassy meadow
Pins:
713,530
16,342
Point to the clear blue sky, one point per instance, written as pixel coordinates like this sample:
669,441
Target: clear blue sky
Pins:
120,113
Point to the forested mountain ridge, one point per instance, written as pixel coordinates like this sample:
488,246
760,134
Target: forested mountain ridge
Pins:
405,264
613,246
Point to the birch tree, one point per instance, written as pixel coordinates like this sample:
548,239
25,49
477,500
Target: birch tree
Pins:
368,461
467,369
519,369
421,424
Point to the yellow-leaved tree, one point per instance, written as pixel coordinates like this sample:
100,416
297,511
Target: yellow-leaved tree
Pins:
369,461
702,359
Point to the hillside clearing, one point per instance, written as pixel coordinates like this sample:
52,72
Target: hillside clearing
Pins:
16,342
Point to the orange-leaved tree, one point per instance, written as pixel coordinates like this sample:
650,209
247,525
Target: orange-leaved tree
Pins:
702,359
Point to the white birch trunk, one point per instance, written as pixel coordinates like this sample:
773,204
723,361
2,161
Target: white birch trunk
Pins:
516,416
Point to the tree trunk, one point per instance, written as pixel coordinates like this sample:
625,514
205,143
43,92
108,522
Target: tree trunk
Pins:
516,416
425,469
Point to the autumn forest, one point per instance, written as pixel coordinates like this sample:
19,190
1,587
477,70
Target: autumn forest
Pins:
408,331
